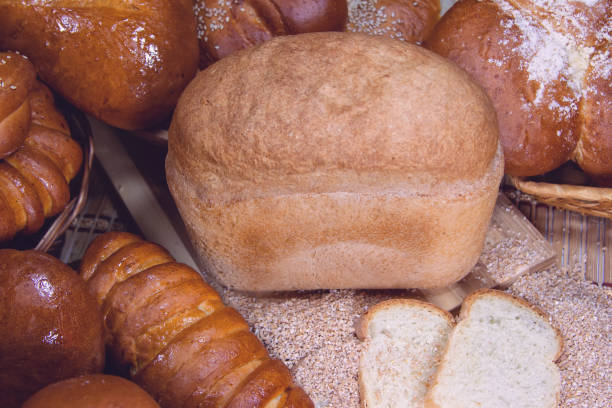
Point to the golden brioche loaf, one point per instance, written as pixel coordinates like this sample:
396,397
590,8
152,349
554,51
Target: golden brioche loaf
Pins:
34,178
51,326
123,61
92,391
228,26
406,20
335,160
546,66
181,343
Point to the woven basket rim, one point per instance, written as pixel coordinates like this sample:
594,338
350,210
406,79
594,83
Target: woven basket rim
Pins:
589,200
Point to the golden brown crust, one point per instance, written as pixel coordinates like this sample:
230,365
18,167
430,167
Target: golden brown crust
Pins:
22,199
353,171
51,326
35,177
537,65
405,20
172,330
17,79
226,27
92,391
124,62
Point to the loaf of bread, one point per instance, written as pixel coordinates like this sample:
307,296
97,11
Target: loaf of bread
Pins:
406,20
17,78
34,179
92,391
501,354
546,66
404,341
51,326
228,26
124,62
180,342
335,160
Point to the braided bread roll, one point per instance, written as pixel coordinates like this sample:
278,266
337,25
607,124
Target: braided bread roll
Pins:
17,78
34,179
181,343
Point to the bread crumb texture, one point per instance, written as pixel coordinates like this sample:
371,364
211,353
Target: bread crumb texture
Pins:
314,334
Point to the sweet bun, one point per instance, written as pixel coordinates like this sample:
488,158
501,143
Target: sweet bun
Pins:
123,62
92,391
34,180
228,26
406,20
17,78
52,328
335,160
546,66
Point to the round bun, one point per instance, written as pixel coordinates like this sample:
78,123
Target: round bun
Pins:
92,391
51,325
226,27
332,160
406,20
17,78
546,66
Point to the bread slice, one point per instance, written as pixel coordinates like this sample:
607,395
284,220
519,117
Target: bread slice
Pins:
500,355
404,340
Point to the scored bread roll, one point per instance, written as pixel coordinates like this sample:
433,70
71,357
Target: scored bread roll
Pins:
546,66
228,26
171,329
51,326
92,391
335,160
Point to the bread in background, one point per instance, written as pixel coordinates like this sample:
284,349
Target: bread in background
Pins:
92,391
123,62
335,160
406,20
228,26
546,66
500,354
51,326
404,342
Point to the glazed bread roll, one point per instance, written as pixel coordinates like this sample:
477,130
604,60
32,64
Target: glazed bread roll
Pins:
92,391
228,26
406,20
173,332
34,180
546,66
51,326
17,78
124,62
335,160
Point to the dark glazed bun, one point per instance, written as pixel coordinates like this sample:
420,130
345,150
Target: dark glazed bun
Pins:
51,326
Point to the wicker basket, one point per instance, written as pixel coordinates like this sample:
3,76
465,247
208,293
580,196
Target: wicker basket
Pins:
596,201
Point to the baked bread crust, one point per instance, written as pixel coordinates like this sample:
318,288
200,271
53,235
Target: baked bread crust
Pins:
124,62
546,67
351,179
